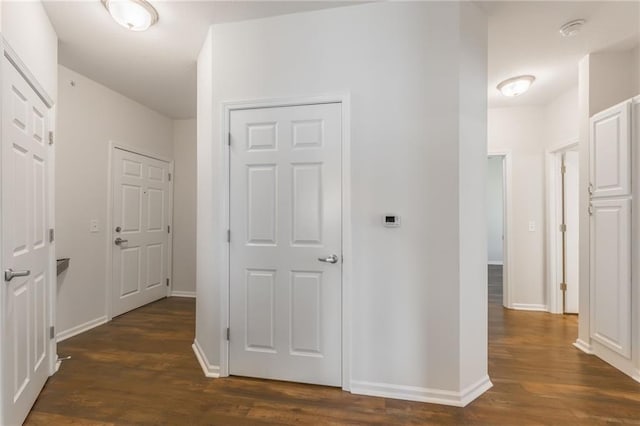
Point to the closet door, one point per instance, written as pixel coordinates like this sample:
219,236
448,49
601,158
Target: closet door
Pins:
611,274
610,239
610,149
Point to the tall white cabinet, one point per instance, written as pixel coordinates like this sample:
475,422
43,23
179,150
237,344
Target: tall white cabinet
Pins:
614,247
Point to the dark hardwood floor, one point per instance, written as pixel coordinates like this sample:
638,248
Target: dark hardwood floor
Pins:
140,369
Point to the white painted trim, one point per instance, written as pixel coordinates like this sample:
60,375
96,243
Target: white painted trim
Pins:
507,251
113,145
345,100
529,307
176,293
81,328
15,60
553,211
210,370
495,262
22,68
583,346
420,394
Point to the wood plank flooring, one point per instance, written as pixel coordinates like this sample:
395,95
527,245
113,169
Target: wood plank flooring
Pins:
140,369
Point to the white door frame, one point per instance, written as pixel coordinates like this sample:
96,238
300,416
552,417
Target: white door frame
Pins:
224,274
109,275
12,56
553,240
507,224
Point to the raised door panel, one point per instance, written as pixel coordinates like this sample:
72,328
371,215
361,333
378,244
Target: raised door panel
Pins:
610,161
260,310
306,314
262,202
306,199
611,274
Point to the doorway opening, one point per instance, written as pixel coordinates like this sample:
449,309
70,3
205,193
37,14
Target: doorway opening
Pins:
498,214
563,229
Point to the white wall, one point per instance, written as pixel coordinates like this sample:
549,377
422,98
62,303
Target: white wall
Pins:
89,116
418,114
562,118
495,210
26,26
184,207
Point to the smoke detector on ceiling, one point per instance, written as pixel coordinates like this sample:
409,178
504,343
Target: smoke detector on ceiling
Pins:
572,28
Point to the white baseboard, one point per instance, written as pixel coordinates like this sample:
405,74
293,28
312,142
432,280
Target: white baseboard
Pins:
529,307
74,331
183,294
415,393
495,262
209,370
583,346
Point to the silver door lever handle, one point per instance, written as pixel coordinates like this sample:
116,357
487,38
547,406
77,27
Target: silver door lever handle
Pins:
119,241
330,259
10,274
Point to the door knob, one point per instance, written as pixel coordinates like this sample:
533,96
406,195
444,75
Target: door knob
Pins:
330,259
10,274
119,241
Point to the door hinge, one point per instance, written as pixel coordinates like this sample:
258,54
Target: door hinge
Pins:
228,235
563,169
169,177
167,282
52,332
563,228
50,137
51,235
168,229
590,209
228,334
563,286
229,139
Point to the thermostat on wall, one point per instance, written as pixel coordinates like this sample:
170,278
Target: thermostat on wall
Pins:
391,220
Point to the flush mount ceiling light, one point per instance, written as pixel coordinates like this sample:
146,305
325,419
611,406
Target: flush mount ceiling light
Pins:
572,28
134,15
516,86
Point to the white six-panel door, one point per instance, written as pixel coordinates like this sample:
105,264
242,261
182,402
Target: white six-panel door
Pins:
610,230
25,246
285,215
140,234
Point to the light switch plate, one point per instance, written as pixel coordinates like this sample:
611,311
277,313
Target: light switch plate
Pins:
532,226
93,225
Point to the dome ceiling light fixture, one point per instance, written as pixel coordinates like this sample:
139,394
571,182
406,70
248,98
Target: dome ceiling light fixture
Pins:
572,28
134,15
516,86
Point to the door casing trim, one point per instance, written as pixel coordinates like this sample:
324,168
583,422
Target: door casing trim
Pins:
553,240
112,146
224,274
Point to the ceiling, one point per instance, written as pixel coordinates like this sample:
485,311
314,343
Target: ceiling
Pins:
524,39
158,67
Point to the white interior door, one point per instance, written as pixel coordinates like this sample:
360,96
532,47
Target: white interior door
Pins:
610,230
25,246
285,215
572,247
610,152
140,234
611,274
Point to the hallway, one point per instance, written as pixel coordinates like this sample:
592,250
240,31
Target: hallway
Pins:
140,369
